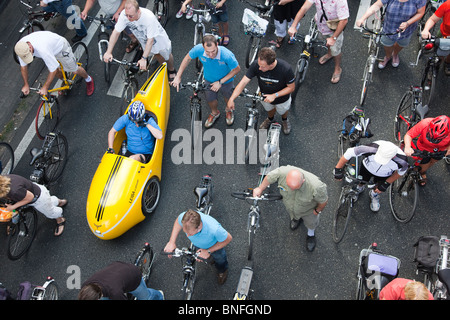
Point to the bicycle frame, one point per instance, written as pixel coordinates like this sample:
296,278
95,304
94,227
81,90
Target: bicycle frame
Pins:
35,16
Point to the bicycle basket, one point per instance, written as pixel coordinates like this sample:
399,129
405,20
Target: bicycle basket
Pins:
427,251
253,23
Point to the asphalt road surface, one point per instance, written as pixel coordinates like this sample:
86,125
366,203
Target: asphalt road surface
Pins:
283,268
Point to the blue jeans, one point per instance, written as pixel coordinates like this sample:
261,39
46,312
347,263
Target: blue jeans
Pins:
66,9
144,293
220,260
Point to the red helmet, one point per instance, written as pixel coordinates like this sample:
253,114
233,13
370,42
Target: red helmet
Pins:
438,129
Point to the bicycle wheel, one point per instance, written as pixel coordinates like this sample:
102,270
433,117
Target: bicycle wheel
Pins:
151,195
144,261
405,117
342,216
21,235
161,11
198,38
103,39
34,26
6,158
300,73
188,285
47,117
428,83
56,158
129,92
196,124
251,238
366,80
343,145
403,197
252,50
50,291
80,51
251,138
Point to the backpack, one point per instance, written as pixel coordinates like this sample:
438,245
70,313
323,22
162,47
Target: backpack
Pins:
427,251
351,127
25,291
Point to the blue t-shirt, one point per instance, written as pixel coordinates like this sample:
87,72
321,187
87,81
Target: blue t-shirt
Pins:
139,139
211,233
217,68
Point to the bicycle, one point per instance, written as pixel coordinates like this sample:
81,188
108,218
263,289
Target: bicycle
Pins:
404,192
49,161
374,37
430,9
434,265
6,158
204,197
430,72
255,25
103,42
409,112
161,11
144,261
309,42
21,230
375,270
202,14
48,291
196,109
34,20
48,112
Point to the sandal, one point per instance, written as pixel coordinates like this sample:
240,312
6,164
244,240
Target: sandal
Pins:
278,43
324,59
225,40
173,72
58,226
423,180
336,77
131,46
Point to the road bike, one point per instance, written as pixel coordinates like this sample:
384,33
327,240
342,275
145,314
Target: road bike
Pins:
430,9
429,75
255,25
21,230
144,261
404,192
243,290
202,15
33,21
161,11
251,125
103,42
195,107
6,158
374,35
204,202
48,112
48,291
433,264
50,160
375,270
309,42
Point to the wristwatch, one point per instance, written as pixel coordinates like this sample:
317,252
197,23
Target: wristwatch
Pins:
318,212
276,94
334,38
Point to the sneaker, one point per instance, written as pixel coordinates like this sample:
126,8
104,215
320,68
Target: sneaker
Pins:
230,117
383,63
375,201
395,61
90,87
179,14
189,14
211,119
266,124
286,125
222,277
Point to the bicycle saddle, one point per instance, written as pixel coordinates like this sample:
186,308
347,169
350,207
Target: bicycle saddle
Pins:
200,193
444,277
36,154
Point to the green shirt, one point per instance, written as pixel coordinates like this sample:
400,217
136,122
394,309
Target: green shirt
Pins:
301,201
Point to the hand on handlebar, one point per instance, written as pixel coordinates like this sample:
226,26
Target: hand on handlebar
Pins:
257,192
292,31
26,90
202,254
107,57
170,247
409,151
426,34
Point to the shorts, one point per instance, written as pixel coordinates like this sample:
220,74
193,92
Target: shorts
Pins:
165,53
221,17
226,90
67,58
282,108
336,49
366,176
145,158
388,42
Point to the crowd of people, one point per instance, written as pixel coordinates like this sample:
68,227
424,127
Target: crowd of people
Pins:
304,194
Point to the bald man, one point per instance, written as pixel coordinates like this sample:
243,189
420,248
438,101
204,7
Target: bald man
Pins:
304,196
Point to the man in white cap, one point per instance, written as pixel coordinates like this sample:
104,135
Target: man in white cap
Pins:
382,160
51,48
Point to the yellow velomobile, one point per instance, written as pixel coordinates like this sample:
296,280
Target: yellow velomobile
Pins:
123,191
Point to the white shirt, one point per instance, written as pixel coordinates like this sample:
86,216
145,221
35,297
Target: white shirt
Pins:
110,6
146,27
46,45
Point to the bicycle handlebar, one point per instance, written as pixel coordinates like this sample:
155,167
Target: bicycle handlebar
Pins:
214,10
249,196
124,62
261,7
199,86
184,252
102,19
398,32
50,97
426,154
298,36
258,97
